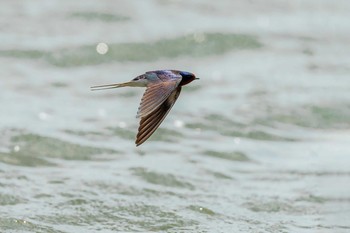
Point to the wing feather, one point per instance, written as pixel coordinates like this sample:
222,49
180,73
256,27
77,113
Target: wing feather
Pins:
150,122
155,95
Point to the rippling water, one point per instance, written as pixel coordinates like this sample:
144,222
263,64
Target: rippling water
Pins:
259,144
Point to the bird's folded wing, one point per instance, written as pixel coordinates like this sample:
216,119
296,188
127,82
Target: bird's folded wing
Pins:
151,122
155,95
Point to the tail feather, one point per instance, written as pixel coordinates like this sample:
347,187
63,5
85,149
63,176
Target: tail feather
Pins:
111,86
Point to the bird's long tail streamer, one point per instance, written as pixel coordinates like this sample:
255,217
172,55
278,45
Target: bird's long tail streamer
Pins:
110,86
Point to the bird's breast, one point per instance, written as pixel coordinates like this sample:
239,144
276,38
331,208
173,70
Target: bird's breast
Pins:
185,81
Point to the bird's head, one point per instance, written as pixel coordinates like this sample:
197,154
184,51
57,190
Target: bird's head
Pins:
187,77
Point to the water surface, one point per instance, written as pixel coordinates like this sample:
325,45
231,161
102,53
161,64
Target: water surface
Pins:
259,144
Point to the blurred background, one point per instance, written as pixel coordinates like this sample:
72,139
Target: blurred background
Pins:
259,144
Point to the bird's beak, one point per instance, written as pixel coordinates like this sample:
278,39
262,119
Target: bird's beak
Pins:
196,78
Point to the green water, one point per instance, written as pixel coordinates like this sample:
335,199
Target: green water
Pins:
207,44
259,144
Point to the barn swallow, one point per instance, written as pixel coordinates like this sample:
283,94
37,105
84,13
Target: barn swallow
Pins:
163,87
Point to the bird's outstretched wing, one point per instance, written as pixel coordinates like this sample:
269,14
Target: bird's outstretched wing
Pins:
155,94
150,122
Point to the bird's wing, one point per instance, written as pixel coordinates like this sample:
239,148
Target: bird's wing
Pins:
150,122
155,94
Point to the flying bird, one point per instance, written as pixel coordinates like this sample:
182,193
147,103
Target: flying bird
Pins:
163,87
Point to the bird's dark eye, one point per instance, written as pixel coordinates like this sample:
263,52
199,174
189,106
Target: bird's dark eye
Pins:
185,74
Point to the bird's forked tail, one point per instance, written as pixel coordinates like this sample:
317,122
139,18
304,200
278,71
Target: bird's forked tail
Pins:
111,86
